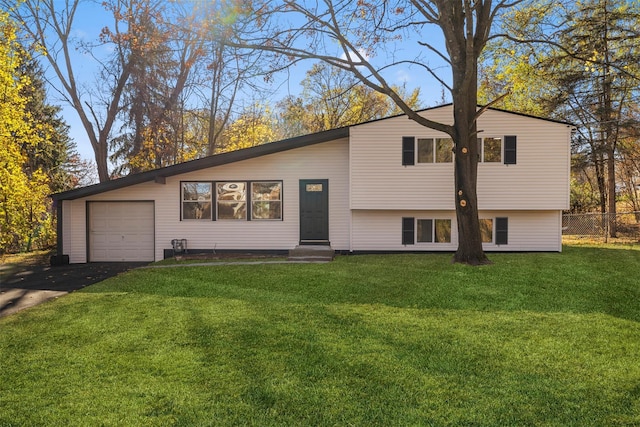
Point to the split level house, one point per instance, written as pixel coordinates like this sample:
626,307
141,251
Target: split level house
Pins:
381,186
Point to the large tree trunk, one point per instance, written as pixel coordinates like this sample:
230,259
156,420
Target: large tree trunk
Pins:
466,171
464,50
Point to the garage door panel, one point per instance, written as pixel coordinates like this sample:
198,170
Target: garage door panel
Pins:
121,231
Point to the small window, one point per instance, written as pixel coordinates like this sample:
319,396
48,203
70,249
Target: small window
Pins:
486,230
491,150
266,200
425,230
232,200
444,150
442,231
434,231
196,200
425,150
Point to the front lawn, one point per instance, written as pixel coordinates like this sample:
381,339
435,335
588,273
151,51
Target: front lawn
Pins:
535,339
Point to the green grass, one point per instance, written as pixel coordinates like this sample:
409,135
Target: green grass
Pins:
535,339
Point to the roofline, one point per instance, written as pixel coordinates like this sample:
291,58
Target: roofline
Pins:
449,104
531,116
243,154
205,162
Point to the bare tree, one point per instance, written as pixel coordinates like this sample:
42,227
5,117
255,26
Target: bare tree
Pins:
348,35
49,23
162,43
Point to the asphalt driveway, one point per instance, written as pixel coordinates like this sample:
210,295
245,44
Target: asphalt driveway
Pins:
25,286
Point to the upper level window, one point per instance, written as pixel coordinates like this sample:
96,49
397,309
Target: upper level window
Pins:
266,200
438,150
231,200
490,150
444,150
196,200
425,150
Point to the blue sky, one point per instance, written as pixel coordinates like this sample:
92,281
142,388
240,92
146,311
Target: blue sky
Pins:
92,17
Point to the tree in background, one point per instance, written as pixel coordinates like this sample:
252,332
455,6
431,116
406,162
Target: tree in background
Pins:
358,38
54,153
255,126
332,98
34,149
576,61
49,25
162,43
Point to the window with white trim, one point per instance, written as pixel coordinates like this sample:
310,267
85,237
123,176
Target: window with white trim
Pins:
486,230
196,201
435,150
490,150
266,200
433,231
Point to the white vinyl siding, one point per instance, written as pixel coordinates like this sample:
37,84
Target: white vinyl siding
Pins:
327,160
539,180
528,231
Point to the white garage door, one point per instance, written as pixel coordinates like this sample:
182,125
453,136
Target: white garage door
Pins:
121,231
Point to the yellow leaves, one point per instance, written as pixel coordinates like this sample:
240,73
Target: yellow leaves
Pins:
24,203
254,127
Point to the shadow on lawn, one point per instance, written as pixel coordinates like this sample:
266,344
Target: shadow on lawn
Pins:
28,285
580,280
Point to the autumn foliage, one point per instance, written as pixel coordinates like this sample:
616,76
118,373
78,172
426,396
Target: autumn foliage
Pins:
25,214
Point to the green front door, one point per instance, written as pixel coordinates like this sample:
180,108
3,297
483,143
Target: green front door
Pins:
314,211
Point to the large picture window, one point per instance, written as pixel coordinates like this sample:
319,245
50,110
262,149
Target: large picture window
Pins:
231,200
266,200
196,200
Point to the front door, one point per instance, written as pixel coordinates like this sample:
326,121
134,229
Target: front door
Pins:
314,211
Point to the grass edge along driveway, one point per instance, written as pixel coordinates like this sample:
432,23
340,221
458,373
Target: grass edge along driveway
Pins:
535,339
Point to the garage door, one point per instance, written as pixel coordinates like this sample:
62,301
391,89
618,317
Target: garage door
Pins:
121,231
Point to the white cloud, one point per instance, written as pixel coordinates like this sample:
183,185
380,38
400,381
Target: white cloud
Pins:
403,76
353,57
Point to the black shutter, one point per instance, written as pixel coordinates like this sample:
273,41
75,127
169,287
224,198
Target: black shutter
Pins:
408,150
510,150
408,227
502,231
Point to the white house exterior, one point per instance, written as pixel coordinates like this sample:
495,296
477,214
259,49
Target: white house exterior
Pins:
384,186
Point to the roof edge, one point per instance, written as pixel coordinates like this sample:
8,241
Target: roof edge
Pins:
205,162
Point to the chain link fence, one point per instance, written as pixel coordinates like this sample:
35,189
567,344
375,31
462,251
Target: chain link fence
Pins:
625,226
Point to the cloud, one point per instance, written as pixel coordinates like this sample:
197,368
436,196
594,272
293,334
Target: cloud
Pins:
403,76
353,57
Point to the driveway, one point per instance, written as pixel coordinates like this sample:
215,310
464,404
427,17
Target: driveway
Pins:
25,286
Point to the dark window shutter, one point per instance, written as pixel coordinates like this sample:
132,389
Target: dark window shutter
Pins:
408,150
408,227
502,231
510,150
